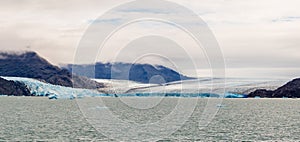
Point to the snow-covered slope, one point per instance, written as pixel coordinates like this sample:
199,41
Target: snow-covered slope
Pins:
121,86
39,88
203,85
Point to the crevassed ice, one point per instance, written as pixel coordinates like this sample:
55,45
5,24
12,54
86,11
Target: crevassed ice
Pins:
39,88
202,85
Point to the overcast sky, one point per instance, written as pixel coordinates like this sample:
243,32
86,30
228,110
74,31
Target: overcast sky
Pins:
258,38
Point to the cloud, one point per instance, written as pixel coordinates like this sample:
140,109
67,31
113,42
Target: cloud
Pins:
287,19
144,10
109,21
251,33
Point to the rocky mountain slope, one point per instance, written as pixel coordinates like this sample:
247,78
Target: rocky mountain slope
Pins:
31,65
290,90
143,73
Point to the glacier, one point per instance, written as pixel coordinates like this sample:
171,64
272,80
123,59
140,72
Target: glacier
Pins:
38,88
203,87
114,86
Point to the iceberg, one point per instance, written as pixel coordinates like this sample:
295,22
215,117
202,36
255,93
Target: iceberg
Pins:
53,96
221,105
234,95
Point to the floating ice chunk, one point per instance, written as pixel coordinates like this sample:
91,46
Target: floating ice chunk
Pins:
51,97
221,105
233,95
98,108
72,97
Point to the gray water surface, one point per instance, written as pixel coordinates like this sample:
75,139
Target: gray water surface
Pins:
40,119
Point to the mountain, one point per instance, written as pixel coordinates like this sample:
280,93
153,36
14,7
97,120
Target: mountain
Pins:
13,88
31,65
290,90
263,93
143,73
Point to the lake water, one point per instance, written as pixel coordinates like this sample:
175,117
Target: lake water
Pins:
40,119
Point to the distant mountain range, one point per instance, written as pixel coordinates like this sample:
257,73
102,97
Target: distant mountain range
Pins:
144,73
31,65
289,90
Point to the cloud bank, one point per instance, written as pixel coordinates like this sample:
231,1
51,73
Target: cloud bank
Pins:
253,34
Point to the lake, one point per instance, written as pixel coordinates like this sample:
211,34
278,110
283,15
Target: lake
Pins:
41,119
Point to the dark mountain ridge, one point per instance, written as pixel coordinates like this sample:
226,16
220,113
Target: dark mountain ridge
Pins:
290,90
31,65
144,73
